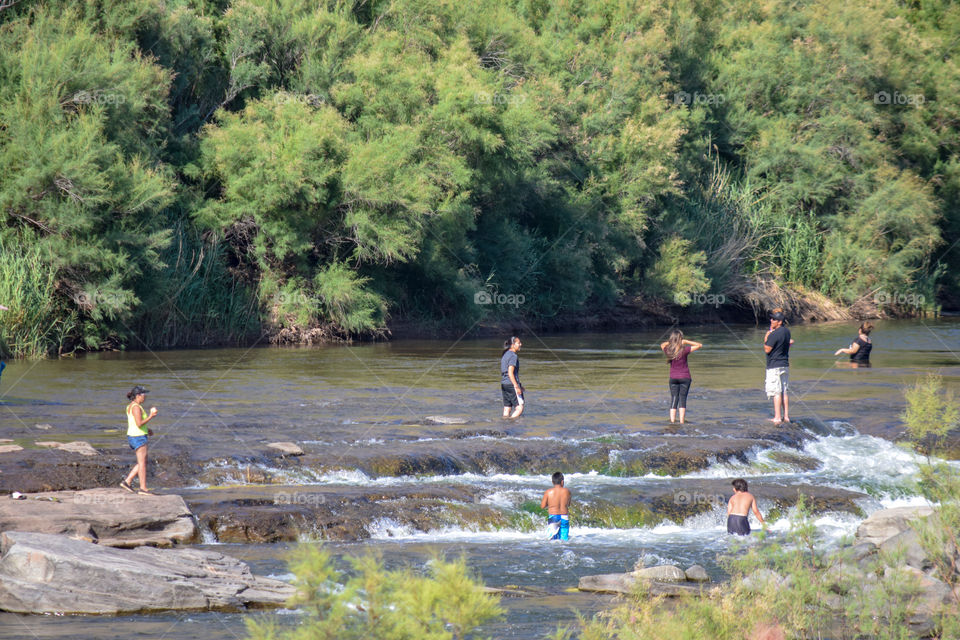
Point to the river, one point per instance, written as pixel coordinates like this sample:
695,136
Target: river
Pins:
346,403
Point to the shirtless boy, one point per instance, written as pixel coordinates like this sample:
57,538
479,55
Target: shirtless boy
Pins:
556,501
739,507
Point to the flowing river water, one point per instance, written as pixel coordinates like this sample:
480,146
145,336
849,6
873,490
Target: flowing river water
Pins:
368,416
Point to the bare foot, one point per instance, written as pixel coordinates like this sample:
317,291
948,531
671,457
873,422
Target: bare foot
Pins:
786,419
774,420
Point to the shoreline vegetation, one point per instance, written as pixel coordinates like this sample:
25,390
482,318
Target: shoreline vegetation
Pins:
199,172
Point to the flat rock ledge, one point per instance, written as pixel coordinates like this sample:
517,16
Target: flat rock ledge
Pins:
52,574
110,517
664,580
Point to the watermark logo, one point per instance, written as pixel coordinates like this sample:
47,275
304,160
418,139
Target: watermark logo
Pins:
299,498
90,298
686,498
295,298
483,97
888,98
683,97
111,498
495,297
312,99
684,298
98,96
898,299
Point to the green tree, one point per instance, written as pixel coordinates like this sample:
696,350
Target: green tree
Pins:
378,604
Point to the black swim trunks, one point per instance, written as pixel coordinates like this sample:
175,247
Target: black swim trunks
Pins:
738,525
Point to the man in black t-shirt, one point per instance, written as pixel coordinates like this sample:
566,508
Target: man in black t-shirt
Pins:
776,344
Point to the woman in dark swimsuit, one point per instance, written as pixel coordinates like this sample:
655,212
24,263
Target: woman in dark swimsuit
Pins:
859,350
677,349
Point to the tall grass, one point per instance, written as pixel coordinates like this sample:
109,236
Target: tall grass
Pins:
36,323
195,300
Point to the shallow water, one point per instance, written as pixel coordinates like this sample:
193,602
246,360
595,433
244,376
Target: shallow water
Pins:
227,402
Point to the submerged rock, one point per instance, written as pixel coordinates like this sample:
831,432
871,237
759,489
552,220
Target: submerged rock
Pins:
51,574
10,448
796,460
112,517
444,420
79,446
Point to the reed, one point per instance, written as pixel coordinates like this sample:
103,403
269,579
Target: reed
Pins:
35,325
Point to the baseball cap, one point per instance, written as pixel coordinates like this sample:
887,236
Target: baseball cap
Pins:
777,315
137,390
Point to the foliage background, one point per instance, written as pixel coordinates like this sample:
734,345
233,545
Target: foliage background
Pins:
188,172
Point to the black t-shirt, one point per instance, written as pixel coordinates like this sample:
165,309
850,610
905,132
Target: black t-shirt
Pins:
509,358
779,355
863,353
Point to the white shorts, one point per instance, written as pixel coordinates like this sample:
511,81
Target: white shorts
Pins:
777,379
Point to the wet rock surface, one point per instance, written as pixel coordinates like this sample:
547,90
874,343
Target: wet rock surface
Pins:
268,514
339,512
667,450
111,517
51,574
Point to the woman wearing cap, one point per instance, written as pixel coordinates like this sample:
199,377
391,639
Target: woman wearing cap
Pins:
137,435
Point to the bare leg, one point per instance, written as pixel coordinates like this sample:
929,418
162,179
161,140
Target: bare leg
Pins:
133,472
683,414
786,407
142,464
776,408
516,412
506,412
673,415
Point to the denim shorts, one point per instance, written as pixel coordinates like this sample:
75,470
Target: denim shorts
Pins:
136,442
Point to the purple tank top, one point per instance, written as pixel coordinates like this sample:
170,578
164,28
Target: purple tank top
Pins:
678,368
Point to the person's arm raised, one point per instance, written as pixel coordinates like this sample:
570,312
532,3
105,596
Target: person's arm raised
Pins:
693,344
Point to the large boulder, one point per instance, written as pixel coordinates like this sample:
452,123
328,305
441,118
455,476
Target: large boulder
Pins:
112,517
886,523
696,573
51,574
908,542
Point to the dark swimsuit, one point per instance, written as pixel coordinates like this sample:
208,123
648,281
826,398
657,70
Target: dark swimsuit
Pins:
862,356
738,525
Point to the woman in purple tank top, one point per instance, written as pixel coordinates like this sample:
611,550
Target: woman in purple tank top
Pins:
677,349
